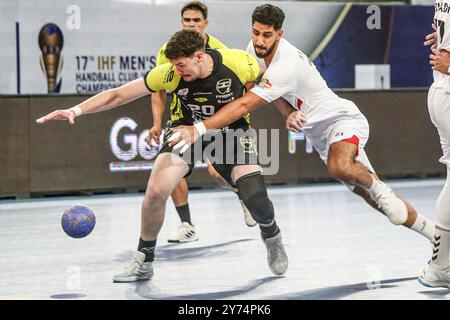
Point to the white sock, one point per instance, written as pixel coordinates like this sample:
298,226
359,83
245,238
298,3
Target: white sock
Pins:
375,188
441,246
423,226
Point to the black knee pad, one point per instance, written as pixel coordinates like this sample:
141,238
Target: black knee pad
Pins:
252,191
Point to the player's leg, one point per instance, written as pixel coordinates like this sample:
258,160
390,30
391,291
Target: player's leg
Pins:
348,162
186,231
166,174
180,200
249,221
253,192
235,158
437,273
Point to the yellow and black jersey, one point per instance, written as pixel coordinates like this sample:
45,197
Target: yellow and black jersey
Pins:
212,43
199,99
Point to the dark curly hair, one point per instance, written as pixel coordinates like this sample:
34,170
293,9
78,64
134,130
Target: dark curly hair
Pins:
269,15
184,43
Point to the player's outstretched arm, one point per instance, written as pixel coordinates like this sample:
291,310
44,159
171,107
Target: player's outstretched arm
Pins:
234,111
102,101
187,135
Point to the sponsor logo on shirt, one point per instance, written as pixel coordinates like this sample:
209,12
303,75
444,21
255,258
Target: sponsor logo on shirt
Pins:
201,99
183,92
249,144
169,76
223,86
202,93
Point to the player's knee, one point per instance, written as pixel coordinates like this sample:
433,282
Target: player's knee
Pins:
339,169
252,190
156,196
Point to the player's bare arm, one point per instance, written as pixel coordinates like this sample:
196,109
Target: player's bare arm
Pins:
103,101
158,104
228,114
294,118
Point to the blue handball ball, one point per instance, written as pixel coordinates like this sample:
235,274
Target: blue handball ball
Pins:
78,221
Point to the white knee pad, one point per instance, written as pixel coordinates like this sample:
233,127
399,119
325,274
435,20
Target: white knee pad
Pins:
399,215
443,205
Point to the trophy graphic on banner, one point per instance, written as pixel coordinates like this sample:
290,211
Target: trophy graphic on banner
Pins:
51,43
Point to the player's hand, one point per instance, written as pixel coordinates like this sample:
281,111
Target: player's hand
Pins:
440,61
295,121
430,39
154,134
183,137
65,115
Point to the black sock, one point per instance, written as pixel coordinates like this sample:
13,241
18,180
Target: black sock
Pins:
184,213
269,232
147,247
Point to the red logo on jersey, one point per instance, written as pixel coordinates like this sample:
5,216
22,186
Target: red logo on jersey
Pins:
265,84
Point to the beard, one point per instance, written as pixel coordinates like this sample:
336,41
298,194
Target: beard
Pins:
268,51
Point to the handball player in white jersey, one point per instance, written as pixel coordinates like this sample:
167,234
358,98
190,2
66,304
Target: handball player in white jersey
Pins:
436,274
335,126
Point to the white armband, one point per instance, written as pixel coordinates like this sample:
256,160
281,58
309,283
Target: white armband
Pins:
77,111
201,128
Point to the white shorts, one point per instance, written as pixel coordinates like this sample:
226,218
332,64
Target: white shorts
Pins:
439,109
351,128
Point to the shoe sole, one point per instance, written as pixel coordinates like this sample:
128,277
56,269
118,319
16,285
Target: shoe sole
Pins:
131,279
432,285
251,225
181,241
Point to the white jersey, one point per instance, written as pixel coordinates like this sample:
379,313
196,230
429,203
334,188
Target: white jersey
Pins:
292,76
442,22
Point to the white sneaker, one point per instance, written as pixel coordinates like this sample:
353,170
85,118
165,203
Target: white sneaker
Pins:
276,256
136,270
185,233
433,276
394,208
249,221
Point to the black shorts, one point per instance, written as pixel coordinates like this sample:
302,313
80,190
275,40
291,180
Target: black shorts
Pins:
225,150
